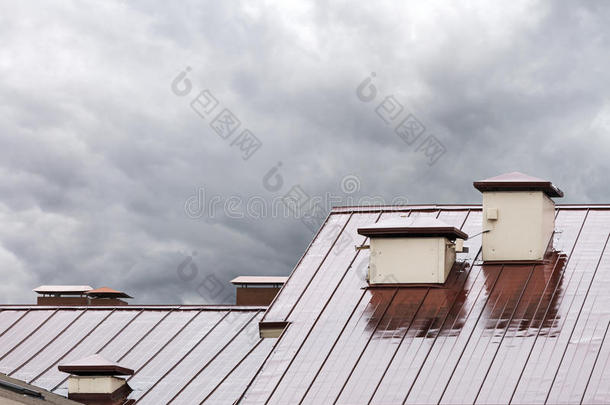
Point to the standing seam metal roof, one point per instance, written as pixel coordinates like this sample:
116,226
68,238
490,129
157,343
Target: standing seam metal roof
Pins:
492,334
194,350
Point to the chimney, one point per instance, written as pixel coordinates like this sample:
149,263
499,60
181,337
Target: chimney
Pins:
411,250
518,217
63,295
107,296
93,381
257,290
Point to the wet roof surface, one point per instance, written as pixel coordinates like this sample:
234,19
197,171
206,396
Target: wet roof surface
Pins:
492,334
180,353
519,333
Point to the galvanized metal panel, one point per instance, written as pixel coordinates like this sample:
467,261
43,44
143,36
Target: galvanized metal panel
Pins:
538,303
237,380
58,347
314,297
24,327
546,357
8,318
51,377
167,382
41,336
306,268
211,373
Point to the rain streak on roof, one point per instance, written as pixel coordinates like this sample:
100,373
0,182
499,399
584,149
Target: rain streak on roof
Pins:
520,333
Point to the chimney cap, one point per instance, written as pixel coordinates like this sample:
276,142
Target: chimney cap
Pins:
94,365
418,226
516,181
64,289
107,292
259,280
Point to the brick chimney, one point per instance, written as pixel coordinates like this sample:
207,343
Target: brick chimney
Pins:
94,381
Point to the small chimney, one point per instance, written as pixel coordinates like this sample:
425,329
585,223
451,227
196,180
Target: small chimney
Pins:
257,290
518,217
93,381
411,250
107,296
62,295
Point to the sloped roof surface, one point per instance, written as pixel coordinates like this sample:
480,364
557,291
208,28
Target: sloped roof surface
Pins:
13,391
187,353
493,334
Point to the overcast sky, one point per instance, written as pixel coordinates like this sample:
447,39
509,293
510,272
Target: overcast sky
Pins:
105,163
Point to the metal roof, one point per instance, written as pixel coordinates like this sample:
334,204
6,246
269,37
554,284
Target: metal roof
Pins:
493,333
187,353
45,289
13,391
259,280
520,333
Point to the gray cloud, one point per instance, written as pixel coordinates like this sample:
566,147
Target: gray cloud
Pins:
99,156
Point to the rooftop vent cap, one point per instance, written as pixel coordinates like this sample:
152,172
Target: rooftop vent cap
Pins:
517,181
518,217
411,250
93,380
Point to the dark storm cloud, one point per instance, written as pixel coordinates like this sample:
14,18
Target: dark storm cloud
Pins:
99,156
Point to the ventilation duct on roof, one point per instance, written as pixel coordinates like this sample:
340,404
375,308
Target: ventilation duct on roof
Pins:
518,217
411,250
95,381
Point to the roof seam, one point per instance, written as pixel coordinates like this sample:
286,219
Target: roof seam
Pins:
332,348
28,335
367,343
321,311
470,335
239,363
72,348
576,322
299,262
548,307
505,330
15,322
104,346
181,359
584,392
215,356
317,269
48,343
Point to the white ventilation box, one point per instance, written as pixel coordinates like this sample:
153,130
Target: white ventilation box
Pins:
411,250
518,217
